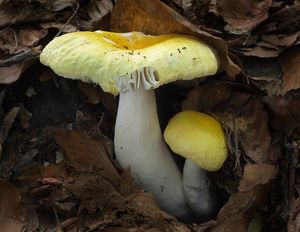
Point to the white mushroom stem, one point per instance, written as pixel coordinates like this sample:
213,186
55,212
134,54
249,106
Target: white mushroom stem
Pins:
139,144
197,189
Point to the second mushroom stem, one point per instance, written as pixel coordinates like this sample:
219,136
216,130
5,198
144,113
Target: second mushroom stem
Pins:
198,191
139,144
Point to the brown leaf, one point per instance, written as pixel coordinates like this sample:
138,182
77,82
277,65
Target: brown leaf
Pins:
245,15
29,37
154,17
86,154
146,205
52,170
281,39
264,73
285,20
15,42
202,99
240,208
294,217
99,8
28,11
290,63
11,73
96,95
11,212
252,130
287,112
255,175
59,26
94,192
258,51
7,123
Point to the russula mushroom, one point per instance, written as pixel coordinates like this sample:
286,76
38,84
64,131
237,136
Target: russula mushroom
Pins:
200,139
132,65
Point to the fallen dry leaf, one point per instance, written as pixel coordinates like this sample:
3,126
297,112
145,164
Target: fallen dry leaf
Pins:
201,98
86,154
96,95
287,112
52,170
30,36
282,40
147,205
258,51
154,17
245,15
294,217
255,175
240,208
94,192
14,42
28,11
264,73
7,123
290,63
11,212
11,74
99,8
251,123
286,20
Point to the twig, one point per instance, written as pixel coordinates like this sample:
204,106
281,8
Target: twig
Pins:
58,227
96,128
68,21
21,57
236,142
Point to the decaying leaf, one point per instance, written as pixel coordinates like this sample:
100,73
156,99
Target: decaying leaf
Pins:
287,110
7,123
286,20
94,192
86,154
265,74
243,16
95,95
201,98
282,40
11,73
294,217
290,63
28,11
240,208
11,212
99,8
251,124
52,170
260,51
17,41
154,17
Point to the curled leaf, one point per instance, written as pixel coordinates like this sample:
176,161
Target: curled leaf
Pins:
245,15
11,212
99,8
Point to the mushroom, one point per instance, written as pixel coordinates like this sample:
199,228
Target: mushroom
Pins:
132,65
200,139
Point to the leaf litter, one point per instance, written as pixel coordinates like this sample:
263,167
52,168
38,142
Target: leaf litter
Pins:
58,170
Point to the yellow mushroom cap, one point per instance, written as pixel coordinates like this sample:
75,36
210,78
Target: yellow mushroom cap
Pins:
198,137
117,61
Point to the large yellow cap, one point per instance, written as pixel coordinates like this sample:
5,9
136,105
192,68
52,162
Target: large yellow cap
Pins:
198,137
120,61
